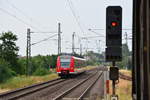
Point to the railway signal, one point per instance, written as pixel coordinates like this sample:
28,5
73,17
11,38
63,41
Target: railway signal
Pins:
114,33
114,42
114,26
113,53
114,73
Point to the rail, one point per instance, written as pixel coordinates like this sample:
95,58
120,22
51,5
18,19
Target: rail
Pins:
11,95
77,85
125,77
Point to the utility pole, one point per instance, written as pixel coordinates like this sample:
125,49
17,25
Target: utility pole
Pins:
126,38
73,46
99,49
126,59
59,39
80,46
28,48
80,49
28,53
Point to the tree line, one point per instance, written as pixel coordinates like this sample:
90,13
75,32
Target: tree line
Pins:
11,64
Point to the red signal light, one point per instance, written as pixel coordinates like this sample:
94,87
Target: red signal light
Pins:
114,24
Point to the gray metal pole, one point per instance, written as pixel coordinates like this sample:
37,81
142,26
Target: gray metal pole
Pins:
80,49
30,52
27,57
126,56
59,38
73,43
113,82
28,69
99,47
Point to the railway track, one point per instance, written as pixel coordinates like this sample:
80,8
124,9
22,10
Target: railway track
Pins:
47,90
12,95
52,92
125,77
79,90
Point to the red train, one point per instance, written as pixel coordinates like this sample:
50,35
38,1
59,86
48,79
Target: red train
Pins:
69,65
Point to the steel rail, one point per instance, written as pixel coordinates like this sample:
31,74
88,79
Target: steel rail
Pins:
75,86
83,94
13,94
125,77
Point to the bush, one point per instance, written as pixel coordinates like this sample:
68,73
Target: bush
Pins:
22,64
5,71
41,71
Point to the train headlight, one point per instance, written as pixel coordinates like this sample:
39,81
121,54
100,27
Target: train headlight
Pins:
71,68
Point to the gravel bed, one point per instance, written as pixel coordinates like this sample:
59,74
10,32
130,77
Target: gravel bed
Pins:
53,91
80,89
97,91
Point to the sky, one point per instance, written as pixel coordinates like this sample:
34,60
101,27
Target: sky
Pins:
74,15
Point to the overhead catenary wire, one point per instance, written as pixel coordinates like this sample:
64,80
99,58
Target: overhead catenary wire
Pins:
81,24
94,32
104,29
76,18
91,37
44,39
17,18
74,14
24,14
17,9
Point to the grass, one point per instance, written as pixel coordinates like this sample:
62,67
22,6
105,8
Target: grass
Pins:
124,90
126,72
22,81
124,87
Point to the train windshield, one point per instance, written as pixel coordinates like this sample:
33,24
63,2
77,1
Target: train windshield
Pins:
65,62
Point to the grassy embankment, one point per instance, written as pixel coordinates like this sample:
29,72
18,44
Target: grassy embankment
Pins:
22,81
124,88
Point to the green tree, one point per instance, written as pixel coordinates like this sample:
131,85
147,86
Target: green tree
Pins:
42,64
52,60
92,58
126,62
22,65
5,71
125,50
9,50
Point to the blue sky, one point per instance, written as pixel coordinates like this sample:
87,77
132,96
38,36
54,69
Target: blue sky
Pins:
44,15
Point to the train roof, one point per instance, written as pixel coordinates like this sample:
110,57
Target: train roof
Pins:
79,58
69,56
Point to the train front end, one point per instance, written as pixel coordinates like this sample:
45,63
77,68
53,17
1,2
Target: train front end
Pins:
64,66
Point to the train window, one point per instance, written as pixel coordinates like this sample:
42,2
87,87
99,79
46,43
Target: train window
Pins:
65,64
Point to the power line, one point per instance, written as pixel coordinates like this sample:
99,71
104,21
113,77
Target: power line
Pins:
14,16
93,31
74,14
13,6
45,32
104,29
92,37
44,39
21,12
